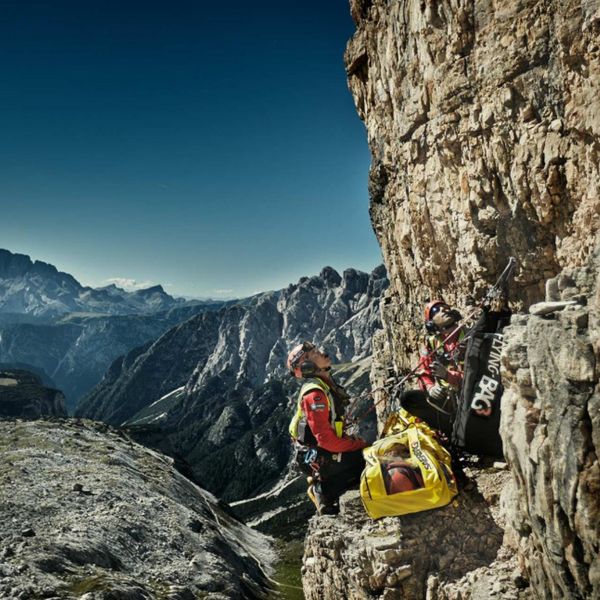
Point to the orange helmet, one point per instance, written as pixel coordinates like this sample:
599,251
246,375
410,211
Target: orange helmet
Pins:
294,361
429,307
400,476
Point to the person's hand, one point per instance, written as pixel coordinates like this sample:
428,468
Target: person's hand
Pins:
439,370
437,392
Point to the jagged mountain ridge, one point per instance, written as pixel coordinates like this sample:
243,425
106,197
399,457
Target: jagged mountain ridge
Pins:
234,407
75,350
39,289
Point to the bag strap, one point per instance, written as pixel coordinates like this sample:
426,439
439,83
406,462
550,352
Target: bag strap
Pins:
415,448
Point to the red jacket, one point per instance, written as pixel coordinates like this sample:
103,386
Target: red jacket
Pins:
453,349
316,408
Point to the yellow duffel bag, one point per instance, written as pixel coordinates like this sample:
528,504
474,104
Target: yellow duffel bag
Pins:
407,471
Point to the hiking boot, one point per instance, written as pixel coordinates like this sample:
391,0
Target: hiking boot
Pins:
316,496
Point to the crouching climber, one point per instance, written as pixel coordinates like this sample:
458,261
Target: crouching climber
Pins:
332,460
440,372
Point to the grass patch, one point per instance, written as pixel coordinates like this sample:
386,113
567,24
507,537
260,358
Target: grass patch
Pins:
287,571
96,583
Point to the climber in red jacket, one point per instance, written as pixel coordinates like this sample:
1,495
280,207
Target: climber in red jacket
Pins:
440,373
334,460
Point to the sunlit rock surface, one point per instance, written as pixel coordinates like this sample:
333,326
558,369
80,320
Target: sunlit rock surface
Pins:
483,120
84,510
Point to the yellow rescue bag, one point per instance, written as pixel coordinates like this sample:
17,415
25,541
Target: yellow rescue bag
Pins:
407,471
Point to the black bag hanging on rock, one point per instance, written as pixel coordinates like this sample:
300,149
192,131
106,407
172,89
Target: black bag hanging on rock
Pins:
477,422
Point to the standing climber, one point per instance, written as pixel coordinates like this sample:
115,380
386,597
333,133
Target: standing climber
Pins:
440,371
333,460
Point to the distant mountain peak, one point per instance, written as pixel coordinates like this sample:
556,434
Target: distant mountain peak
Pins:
154,289
40,289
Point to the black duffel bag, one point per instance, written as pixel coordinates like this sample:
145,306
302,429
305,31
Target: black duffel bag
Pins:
477,421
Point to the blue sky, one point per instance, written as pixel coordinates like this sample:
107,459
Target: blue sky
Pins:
210,147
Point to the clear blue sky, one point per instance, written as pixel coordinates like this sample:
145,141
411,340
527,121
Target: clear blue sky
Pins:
212,147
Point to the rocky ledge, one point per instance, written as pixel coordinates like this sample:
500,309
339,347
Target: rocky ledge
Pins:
446,554
87,513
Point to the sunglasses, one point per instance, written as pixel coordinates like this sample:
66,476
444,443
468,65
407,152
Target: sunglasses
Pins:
306,347
436,309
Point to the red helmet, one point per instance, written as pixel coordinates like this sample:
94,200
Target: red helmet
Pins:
294,361
400,476
429,306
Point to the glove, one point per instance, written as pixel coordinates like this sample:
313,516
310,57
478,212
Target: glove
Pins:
439,370
437,392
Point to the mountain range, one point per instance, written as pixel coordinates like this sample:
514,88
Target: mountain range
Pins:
52,325
215,389
39,289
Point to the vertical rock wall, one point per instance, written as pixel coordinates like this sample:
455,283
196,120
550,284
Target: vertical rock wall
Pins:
483,120
551,432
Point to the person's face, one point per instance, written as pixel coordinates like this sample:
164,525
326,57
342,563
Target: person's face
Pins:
320,358
442,317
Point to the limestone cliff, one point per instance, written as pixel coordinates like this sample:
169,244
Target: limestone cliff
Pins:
483,120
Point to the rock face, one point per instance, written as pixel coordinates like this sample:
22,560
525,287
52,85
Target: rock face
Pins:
551,433
483,120
91,514
41,290
22,395
217,385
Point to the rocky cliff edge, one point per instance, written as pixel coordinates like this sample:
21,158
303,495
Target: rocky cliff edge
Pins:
87,513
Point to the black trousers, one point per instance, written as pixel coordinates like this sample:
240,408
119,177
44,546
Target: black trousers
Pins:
333,476
337,477
415,402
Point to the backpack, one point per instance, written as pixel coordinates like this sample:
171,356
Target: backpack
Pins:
406,471
477,422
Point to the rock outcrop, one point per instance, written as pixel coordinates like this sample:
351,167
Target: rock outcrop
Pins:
23,395
87,513
483,120
551,433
